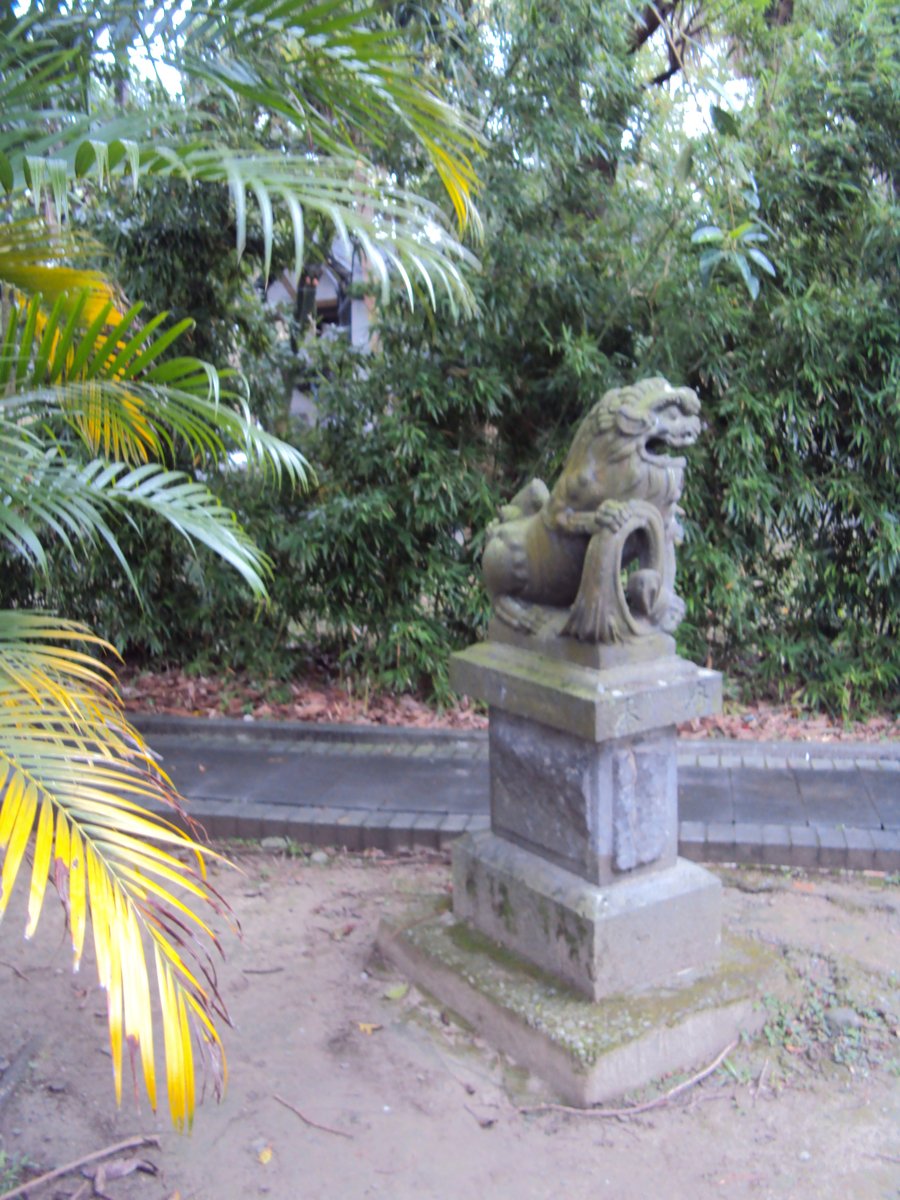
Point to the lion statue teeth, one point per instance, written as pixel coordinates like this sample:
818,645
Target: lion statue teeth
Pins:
601,543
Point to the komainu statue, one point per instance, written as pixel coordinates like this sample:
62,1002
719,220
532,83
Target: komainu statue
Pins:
601,543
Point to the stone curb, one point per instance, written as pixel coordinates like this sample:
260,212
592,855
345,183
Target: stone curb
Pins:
817,845
802,846
203,728
720,754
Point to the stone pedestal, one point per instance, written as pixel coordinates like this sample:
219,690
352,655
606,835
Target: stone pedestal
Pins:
579,942
579,873
650,929
597,809
586,1051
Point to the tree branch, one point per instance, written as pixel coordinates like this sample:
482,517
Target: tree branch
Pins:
634,1110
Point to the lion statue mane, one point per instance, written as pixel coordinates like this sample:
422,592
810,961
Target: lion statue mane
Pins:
602,542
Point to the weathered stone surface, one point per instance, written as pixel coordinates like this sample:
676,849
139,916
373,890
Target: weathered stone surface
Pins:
587,1052
644,803
600,547
594,809
643,930
595,705
548,639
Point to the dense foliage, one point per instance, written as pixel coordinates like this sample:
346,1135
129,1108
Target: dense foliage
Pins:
756,261
794,563
107,421
705,193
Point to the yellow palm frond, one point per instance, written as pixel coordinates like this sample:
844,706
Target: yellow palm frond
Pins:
51,297
75,779
36,258
107,378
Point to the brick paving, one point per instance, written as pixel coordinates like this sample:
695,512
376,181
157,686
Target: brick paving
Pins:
834,805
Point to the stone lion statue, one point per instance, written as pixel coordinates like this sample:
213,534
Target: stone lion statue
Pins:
602,542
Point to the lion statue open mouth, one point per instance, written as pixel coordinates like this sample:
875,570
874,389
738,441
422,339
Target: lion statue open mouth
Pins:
602,542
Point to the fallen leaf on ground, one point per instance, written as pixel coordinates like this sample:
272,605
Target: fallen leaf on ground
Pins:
397,992
318,698
117,1168
368,1027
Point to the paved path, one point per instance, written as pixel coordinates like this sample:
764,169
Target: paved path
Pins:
791,803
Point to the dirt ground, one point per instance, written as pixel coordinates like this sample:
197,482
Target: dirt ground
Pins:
398,1101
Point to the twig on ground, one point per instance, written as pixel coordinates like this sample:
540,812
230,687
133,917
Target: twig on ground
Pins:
484,1122
418,856
306,1121
12,967
261,970
759,1082
891,1158
633,1110
132,1143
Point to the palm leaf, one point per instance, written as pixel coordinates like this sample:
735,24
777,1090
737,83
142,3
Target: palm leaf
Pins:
38,259
107,383
331,79
74,781
43,493
395,226
339,77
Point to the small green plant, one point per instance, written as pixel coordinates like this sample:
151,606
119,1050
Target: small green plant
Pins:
13,1168
279,693
825,1021
297,850
741,1073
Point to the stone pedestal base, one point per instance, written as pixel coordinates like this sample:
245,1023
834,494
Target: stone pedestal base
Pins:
644,930
588,1053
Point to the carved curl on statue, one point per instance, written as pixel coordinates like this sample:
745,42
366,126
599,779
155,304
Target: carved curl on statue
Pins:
602,542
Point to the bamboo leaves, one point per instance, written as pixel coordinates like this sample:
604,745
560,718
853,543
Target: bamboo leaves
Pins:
736,247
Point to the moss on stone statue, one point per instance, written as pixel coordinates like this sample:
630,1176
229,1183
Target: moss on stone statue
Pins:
586,1030
504,908
577,939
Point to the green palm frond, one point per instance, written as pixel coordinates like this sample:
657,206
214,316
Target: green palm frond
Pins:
105,382
399,230
338,69
100,371
48,117
45,494
74,781
76,372
334,77
144,419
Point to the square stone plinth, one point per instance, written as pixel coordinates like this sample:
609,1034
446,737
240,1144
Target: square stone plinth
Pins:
624,701
642,931
587,1052
598,810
